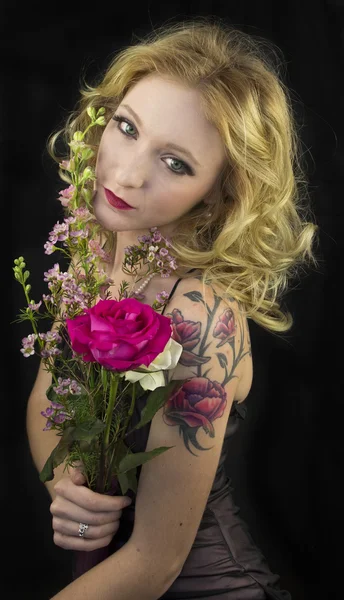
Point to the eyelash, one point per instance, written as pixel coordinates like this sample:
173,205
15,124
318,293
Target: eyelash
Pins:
119,119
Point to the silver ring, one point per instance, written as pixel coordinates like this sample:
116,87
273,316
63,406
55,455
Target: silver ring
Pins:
82,528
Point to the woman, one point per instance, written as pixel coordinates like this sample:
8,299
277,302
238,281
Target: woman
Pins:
200,141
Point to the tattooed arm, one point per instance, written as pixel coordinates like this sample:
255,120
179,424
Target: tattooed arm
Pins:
174,487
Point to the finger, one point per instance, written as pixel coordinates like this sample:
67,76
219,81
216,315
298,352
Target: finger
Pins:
77,543
88,499
77,477
94,532
63,508
76,473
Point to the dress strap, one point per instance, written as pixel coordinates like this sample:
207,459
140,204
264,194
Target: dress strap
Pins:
175,287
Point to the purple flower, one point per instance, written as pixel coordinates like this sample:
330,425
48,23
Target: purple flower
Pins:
66,386
28,343
61,417
156,237
33,306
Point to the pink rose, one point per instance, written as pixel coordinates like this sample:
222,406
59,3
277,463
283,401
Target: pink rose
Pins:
119,335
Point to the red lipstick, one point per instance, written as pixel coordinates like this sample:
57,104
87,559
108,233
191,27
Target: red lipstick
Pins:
116,201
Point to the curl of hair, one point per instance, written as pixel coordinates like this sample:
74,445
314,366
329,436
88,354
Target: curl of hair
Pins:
258,236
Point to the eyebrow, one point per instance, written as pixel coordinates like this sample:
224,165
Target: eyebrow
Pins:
170,145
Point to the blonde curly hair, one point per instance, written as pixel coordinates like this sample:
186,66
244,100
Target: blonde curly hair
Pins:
257,237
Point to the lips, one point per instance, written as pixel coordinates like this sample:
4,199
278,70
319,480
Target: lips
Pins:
116,201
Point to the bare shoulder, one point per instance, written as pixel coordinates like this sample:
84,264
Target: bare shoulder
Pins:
174,487
224,323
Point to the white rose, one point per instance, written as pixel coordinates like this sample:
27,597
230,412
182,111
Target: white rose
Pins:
166,360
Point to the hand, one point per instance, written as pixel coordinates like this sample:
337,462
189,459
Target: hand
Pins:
75,504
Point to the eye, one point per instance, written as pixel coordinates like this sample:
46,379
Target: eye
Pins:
186,169
122,120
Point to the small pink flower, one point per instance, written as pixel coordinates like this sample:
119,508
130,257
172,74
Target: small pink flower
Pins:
66,195
98,251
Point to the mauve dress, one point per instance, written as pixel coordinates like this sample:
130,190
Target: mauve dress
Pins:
224,562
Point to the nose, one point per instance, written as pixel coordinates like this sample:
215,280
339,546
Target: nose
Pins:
131,172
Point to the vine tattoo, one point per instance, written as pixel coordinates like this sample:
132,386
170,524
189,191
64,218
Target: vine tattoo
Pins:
201,400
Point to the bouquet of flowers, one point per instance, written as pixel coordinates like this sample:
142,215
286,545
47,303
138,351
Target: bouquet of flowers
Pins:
103,353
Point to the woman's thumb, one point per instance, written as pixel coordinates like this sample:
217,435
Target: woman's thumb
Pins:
77,476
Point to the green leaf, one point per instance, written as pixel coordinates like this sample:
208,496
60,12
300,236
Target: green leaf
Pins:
88,431
132,461
85,446
128,480
139,391
57,456
156,400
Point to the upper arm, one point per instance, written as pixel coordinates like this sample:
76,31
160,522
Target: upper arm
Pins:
174,487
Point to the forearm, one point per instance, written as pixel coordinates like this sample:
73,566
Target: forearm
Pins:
128,574
41,442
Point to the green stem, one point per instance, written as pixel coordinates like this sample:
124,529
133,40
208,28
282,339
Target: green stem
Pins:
86,130
104,444
32,319
114,378
130,413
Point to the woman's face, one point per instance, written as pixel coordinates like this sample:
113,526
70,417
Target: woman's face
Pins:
136,162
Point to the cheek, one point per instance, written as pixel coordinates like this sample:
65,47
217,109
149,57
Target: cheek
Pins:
177,200
104,155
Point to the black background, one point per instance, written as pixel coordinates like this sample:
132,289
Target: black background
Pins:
285,462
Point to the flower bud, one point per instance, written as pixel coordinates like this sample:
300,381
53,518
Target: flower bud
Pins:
87,194
71,165
101,111
28,287
100,121
87,154
91,111
78,135
26,275
88,172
